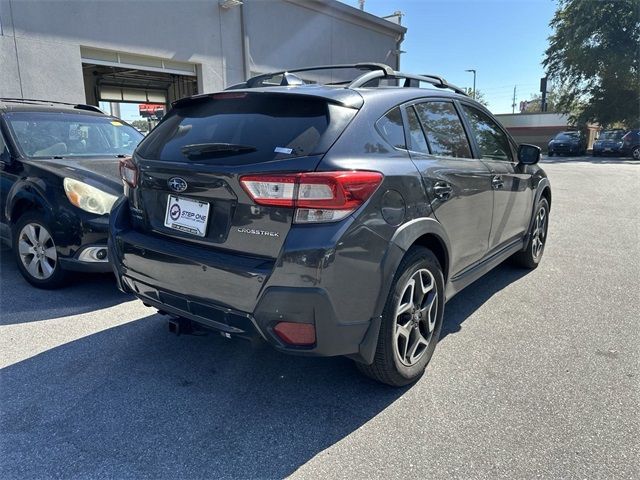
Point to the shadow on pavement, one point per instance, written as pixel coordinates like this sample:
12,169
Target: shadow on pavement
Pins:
135,401
462,306
20,302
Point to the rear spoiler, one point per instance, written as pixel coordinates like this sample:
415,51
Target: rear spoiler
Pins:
343,97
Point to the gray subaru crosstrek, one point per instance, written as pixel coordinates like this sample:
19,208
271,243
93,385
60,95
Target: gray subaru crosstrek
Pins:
327,219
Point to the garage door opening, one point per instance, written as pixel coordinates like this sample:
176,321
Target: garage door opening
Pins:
135,95
134,87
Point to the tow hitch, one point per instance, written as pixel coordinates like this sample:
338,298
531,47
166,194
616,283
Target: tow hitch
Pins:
183,326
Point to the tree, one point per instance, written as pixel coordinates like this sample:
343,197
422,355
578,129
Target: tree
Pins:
141,125
479,97
534,104
593,57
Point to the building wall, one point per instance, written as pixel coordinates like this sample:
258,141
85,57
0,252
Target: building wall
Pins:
40,40
539,128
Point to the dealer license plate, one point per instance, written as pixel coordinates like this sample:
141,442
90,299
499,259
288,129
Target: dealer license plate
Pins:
189,216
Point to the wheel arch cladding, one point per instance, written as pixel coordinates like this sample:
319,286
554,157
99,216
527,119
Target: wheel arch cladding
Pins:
546,194
437,246
426,232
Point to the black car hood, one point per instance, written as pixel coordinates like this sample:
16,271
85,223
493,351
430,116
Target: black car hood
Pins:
100,172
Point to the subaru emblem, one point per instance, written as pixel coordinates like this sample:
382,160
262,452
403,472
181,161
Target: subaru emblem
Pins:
177,184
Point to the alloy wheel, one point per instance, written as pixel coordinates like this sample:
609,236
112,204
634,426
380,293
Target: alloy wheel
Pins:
636,153
37,251
539,233
415,317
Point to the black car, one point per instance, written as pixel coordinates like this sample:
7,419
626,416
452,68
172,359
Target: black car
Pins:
326,219
631,144
59,178
567,143
609,143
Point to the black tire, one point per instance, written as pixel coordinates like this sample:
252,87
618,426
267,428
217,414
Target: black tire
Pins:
387,366
549,154
635,153
56,278
530,257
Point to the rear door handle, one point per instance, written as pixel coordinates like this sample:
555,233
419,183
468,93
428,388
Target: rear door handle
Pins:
442,190
497,182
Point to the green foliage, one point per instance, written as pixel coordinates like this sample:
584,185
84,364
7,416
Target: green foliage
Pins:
593,56
479,97
534,104
141,125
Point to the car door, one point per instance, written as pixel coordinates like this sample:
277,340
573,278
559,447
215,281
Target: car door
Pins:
510,180
458,186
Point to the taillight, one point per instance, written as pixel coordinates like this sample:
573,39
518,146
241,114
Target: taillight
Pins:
129,172
316,196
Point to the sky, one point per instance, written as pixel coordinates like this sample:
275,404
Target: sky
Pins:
504,40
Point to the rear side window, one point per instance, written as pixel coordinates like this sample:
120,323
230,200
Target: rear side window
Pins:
416,135
246,128
391,128
492,141
444,130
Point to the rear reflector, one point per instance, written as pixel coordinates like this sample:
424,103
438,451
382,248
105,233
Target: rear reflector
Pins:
317,196
300,334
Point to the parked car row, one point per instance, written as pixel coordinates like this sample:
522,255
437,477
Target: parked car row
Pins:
324,219
616,142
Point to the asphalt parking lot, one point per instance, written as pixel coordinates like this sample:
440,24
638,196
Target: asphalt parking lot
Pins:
536,375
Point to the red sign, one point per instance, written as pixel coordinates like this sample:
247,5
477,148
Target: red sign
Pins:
151,109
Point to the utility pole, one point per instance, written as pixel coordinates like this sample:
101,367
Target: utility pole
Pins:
472,70
513,105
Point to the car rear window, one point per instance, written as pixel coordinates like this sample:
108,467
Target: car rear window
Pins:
244,128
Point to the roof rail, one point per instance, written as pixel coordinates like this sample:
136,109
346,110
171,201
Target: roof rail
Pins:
79,106
373,71
411,80
258,80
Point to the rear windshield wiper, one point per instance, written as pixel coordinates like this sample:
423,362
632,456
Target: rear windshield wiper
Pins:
211,149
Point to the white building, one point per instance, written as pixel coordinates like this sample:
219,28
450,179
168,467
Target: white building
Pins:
155,51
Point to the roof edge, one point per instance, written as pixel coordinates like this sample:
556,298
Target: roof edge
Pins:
331,7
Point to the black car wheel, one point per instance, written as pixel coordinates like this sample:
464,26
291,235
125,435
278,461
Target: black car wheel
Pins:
635,153
35,252
550,154
411,321
530,257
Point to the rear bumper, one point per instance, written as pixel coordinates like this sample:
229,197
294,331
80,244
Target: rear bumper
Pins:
241,296
607,150
566,149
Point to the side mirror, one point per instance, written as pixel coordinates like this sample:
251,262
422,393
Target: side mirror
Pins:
528,154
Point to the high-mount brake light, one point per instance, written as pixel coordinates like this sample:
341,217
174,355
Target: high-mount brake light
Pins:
227,95
129,172
316,196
